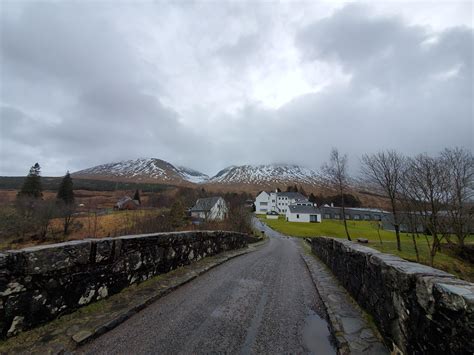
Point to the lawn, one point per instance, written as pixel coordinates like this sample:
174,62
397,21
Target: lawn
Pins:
364,229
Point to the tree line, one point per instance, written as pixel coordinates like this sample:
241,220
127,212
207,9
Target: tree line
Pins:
430,195
31,214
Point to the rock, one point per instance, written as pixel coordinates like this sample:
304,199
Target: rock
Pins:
16,325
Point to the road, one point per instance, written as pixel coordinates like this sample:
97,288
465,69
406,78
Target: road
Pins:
261,302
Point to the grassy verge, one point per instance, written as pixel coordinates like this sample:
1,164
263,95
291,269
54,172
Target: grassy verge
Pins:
365,229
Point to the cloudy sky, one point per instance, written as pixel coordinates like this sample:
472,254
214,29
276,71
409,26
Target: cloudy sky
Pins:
211,84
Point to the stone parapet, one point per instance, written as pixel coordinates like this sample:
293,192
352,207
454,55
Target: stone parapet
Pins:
418,309
40,283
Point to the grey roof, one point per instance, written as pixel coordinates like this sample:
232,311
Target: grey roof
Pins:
205,204
303,209
295,195
353,210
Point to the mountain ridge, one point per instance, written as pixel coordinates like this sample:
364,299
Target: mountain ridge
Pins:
161,171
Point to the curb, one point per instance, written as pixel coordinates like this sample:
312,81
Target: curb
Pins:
337,332
345,341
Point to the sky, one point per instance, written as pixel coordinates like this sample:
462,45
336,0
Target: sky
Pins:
210,84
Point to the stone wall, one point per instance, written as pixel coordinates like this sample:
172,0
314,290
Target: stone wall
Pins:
418,309
40,283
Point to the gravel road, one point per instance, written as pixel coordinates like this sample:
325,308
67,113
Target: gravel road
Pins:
262,302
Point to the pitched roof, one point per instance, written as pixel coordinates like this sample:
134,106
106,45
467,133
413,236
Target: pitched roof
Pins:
205,204
303,209
123,201
292,195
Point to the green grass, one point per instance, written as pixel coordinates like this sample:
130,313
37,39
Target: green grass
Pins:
368,230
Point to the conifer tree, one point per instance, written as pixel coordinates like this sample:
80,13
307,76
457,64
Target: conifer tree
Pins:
32,184
66,191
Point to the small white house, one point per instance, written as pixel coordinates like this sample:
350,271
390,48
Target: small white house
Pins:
303,213
261,202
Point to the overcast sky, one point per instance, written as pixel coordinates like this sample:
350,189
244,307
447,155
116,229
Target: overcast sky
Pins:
213,84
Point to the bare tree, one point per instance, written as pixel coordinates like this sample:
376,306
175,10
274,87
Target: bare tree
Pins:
336,175
459,165
385,169
411,219
426,184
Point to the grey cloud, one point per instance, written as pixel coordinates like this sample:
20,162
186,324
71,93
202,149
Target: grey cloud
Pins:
87,83
385,52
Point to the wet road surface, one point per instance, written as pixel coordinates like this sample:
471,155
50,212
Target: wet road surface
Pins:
261,302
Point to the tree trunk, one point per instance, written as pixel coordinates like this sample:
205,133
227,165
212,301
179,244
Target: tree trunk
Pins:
397,233
345,221
396,224
378,232
416,247
67,223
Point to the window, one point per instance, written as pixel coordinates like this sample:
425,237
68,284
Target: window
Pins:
263,203
377,217
348,216
367,217
327,216
356,216
297,216
273,200
337,216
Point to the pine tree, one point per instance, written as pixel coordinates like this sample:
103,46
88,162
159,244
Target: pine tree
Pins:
177,214
66,191
32,185
136,197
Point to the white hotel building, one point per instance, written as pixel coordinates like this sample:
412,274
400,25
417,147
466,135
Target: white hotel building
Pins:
276,201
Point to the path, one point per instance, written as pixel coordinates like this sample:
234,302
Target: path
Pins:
262,302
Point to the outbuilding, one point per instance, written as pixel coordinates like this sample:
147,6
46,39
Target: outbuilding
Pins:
210,209
303,213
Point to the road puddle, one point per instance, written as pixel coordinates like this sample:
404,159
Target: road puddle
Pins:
316,335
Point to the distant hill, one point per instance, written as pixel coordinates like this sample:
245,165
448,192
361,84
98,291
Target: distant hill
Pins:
267,175
245,177
149,170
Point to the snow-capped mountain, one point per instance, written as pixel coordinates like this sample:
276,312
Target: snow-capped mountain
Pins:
246,177
192,175
144,170
273,174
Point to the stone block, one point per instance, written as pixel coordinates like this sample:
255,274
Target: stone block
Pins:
52,258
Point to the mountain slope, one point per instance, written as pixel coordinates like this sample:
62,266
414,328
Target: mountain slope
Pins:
192,175
245,177
146,170
266,175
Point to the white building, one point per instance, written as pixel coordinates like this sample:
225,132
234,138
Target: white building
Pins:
276,201
261,202
303,213
210,209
